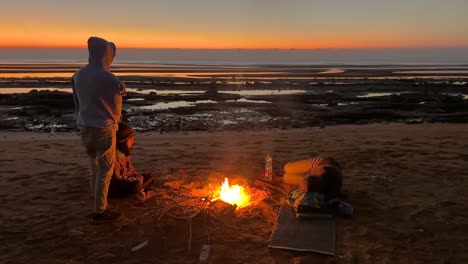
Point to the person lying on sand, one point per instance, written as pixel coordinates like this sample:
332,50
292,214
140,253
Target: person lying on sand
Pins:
126,180
320,181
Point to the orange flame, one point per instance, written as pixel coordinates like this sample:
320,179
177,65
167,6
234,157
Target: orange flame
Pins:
234,194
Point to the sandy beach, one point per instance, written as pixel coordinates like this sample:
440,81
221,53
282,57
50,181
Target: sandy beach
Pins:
407,184
263,132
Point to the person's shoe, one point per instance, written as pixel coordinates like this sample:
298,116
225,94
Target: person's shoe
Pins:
106,217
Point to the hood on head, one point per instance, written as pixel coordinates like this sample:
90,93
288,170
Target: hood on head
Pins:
101,52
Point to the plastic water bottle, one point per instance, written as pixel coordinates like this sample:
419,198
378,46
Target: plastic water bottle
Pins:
268,168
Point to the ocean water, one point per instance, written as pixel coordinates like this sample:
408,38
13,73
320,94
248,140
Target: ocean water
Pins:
408,56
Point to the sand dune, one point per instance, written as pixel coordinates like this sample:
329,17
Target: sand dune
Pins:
406,182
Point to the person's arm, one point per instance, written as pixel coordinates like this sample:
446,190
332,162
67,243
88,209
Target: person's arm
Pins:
119,92
75,99
122,89
132,171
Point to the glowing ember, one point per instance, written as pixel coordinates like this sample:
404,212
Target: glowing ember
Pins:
234,194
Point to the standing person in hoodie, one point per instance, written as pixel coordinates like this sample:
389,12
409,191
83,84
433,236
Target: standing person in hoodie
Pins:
98,106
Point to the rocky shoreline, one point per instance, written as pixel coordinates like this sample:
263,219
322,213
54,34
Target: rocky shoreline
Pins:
218,110
257,99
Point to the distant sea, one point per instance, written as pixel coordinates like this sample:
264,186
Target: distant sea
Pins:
440,56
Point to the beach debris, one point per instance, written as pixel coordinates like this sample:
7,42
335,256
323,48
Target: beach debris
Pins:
108,255
75,232
205,253
139,246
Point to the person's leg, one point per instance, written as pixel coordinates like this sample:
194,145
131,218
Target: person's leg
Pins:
105,142
86,140
93,161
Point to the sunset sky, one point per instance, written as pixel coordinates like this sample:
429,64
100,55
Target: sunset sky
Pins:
221,24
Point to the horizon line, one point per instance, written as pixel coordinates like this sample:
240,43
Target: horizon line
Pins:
259,49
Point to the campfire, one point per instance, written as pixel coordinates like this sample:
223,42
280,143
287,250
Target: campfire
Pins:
233,194
219,201
186,198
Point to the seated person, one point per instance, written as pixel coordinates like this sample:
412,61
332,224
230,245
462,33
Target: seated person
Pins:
126,180
320,181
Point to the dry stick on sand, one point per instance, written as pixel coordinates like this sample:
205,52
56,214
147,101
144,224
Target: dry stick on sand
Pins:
191,210
192,205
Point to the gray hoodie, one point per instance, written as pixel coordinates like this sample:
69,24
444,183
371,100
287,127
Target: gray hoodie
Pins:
97,92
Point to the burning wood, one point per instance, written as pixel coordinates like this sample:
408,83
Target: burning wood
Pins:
234,195
223,209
